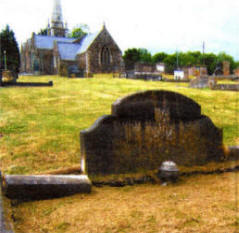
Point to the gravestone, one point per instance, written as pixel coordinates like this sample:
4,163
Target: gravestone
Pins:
226,68
202,82
5,223
146,129
42,187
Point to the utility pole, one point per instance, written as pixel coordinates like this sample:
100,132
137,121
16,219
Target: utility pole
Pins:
203,51
177,59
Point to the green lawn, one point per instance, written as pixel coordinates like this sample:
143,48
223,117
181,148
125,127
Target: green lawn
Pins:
39,130
40,126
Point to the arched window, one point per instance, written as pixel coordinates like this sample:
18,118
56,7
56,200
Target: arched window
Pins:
105,56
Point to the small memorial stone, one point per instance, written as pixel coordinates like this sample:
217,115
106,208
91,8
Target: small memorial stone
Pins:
168,172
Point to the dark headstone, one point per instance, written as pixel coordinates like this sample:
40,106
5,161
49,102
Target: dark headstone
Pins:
148,128
142,106
73,71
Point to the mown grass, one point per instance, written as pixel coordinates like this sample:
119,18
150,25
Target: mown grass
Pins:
40,127
39,132
196,204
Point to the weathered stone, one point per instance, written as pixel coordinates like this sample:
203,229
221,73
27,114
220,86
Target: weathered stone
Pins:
28,84
44,186
5,224
148,128
144,106
226,67
200,82
168,171
225,87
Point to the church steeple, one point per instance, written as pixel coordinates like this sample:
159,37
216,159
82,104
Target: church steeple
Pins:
57,25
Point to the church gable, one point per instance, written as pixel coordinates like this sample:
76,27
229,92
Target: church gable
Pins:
105,39
104,54
99,53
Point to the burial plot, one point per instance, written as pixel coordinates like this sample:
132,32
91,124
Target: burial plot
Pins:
146,129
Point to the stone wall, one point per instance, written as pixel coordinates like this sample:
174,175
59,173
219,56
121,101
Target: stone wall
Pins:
143,67
104,39
147,128
197,71
81,61
236,71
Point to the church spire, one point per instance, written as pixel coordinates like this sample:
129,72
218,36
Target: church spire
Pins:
57,12
57,27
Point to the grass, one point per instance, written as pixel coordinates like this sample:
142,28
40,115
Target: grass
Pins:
195,204
40,127
39,132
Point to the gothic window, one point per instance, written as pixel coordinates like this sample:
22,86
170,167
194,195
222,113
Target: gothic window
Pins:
105,56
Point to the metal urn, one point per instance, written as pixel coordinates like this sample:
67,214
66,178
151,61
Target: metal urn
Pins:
168,172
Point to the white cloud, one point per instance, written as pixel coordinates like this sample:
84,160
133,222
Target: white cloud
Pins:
153,24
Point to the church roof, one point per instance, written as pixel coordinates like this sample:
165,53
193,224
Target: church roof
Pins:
68,51
87,41
47,42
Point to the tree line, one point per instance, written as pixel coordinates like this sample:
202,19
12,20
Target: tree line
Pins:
9,50
178,60
173,61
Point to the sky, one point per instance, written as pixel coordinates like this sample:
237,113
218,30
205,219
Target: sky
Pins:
156,25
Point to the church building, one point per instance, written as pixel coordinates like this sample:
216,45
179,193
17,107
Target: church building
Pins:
55,53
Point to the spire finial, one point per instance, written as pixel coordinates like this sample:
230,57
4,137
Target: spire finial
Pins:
104,25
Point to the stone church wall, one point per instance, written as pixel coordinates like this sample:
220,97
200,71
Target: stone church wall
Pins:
104,40
81,61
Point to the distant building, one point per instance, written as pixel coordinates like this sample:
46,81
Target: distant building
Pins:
55,53
160,67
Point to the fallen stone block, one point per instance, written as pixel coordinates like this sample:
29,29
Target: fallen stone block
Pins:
44,186
5,224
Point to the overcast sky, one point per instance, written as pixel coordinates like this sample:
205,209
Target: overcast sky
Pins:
152,24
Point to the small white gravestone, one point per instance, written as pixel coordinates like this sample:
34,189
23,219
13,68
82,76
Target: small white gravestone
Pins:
160,67
178,75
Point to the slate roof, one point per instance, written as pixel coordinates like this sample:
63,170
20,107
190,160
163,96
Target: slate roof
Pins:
47,42
87,41
68,47
68,51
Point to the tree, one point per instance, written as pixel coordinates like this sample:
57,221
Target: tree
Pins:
79,31
9,44
210,61
43,31
145,56
131,56
221,57
159,57
170,63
